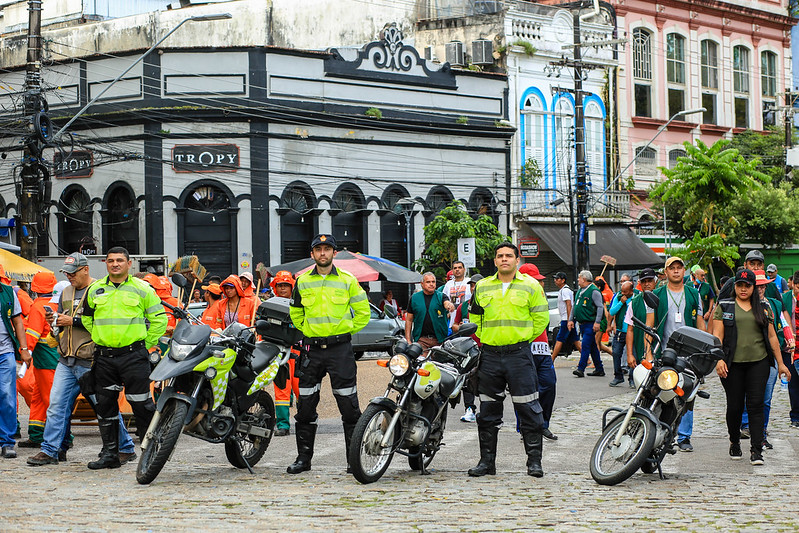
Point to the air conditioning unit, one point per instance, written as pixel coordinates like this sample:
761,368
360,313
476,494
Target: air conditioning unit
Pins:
485,7
483,52
429,53
455,54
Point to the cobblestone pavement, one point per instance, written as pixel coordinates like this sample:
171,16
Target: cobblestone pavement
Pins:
198,489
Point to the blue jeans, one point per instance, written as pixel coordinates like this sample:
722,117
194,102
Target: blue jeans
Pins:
686,426
588,339
8,399
62,400
772,380
618,346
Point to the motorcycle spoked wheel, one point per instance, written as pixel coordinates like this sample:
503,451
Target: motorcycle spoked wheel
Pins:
611,464
368,460
251,448
165,436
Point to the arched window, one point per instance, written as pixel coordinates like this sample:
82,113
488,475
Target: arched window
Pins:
481,202
75,231
710,80
120,219
740,85
209,228
595,144
349,223
646,162
534,136
675,72
642,71
675,155
394,236
298,221
438,198
564,142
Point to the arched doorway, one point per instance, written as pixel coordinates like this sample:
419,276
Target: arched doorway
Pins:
75,227
349,222
209,228
482,202
438,198
121,219
393,242
298,221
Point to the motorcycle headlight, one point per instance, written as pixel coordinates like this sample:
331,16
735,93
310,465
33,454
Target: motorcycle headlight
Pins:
668,379
399,365
179,352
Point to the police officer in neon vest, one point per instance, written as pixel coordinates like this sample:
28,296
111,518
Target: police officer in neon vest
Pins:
114,313
320,308
510,310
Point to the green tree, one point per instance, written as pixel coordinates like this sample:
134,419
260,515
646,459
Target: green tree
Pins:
452,223
703,185
769,215
769,149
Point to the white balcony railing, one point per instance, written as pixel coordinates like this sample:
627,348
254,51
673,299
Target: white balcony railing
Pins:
538,203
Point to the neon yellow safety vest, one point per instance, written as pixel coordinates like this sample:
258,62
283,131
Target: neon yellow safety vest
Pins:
320,305
521,314
115,316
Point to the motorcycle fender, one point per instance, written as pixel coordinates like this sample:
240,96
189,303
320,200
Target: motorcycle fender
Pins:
220,381
266,377
638,410
384,402
169,368
169,394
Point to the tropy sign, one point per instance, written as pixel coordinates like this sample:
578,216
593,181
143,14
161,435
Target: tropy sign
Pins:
205,158
78,164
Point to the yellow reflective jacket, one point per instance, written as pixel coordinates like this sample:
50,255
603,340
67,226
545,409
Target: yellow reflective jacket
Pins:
521,314
320,306
115,316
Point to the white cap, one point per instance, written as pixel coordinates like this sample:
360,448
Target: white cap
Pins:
57,290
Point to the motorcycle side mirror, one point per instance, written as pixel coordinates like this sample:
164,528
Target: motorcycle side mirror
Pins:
390,311
179,280
651,300
466,330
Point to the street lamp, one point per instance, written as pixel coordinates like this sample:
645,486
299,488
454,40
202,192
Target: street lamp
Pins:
198,18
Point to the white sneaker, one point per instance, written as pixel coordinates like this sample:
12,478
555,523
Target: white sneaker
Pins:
468,416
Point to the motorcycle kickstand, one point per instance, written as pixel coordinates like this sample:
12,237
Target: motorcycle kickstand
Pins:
660,473
246,463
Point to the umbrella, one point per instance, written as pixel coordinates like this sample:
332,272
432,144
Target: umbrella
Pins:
17,268
364,267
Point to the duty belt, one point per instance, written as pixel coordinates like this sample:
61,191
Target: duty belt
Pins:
107,351
324,342
507,348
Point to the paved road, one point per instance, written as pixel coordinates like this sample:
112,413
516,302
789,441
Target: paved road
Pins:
198,489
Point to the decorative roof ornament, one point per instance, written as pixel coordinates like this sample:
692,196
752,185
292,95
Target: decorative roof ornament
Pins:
393,54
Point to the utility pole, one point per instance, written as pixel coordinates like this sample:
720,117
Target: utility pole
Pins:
581,188
33,177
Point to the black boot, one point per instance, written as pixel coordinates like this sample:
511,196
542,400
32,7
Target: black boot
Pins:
306,434
488,452
348,429
533,446
109,456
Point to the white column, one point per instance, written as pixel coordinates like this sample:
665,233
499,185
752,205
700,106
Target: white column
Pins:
170,231
244,223
325,220
275,251
97,228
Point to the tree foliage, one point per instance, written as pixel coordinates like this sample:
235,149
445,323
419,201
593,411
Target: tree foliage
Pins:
769,215
452,223
769,149
701,188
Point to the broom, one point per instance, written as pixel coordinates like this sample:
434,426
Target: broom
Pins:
190,267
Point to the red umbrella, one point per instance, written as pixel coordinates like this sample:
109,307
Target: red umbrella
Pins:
363,267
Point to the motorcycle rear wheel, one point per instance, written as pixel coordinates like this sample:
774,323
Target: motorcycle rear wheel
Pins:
368,460
611,464
251,448
165,436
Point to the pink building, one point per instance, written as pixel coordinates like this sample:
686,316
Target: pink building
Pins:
732,57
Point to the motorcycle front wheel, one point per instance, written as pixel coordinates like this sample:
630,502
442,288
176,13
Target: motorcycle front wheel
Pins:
611,464
165,436
368,459
246,448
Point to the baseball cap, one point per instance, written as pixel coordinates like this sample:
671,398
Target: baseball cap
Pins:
771,268
761,278
323,238
450,275
531,270
213,288
695,269
560,275
647,273
57,290
475,278
673,259
755,255
74,262
745,276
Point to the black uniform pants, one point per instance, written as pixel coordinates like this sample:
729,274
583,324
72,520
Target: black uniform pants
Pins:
746,384
131,371
516,370
339,362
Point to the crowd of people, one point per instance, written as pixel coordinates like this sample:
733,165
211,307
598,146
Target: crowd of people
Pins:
93,337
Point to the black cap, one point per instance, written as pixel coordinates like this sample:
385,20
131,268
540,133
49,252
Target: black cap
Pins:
323,238
560,275
755,255
475,278
746,276
647,273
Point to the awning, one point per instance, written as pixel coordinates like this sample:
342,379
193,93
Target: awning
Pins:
17,268
614,240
